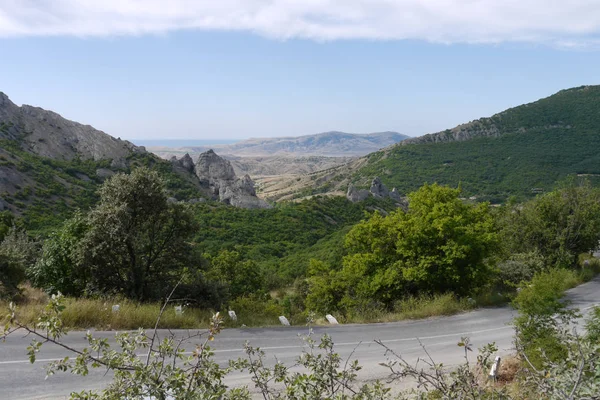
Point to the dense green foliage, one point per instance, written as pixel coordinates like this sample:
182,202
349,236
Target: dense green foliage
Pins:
17,252
558,225
57,269
439,245
280,240
134,242
537,145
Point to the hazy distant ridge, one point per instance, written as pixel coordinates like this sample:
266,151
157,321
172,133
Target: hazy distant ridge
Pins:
332,144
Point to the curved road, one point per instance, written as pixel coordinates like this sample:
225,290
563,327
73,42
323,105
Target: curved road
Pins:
21,380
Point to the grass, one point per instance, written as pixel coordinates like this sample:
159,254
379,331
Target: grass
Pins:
97,313
82,313
419,307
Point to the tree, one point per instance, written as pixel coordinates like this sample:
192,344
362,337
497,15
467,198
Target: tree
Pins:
137,240
439,245
58,268
560,225
17,252
242,277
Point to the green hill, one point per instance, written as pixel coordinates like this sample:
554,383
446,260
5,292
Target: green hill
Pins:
515,152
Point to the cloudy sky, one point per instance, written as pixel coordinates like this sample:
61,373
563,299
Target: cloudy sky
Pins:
231,69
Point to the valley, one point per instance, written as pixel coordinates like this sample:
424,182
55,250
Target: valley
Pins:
407,231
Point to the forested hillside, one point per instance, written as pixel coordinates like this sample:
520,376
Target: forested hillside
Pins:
519,152
511,153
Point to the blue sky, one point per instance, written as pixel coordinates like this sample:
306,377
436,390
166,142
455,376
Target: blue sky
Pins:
181,82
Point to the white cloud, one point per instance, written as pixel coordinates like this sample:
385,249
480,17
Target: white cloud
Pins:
572,23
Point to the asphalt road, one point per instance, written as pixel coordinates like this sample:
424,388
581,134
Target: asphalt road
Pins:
21,380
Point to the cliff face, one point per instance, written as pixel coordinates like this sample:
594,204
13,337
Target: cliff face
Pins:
47,134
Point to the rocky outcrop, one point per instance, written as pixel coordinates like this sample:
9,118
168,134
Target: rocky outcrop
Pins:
211,167
216,174
47,134
377,190
395,195
187,163
354,195
104,173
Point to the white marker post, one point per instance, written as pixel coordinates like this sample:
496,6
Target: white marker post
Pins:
232,315
495,368
178,310
331,319
284,321
116,308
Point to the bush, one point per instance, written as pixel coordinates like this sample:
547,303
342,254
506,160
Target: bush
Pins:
520,267
542,313
255,310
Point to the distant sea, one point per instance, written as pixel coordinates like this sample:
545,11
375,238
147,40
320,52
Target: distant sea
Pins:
181,142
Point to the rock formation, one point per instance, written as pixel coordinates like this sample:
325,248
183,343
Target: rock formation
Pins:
353,194
377,190
395,195
216,174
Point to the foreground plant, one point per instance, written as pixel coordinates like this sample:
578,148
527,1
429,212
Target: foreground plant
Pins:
147,366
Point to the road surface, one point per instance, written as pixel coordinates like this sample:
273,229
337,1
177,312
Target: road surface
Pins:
20,380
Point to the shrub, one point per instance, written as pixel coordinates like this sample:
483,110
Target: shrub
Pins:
542,314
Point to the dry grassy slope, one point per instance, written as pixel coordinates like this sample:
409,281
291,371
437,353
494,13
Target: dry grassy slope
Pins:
331,181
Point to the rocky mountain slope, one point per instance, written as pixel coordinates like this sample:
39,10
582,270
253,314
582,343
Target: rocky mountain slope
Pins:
47,134
521,151
50,165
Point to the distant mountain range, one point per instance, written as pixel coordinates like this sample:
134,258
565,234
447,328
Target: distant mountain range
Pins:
329,144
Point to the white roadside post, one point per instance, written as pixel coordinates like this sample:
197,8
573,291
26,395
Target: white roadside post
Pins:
331,319
116,308
284,321
232,315
178,310
495,368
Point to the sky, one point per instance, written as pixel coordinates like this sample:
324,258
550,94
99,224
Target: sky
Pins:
234,69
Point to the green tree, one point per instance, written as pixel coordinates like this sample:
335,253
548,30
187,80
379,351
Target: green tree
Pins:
559,225
58,269
137,242
242,276
17,253
439,245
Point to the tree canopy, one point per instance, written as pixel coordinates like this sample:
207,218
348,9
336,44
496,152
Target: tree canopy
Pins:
559,225
439,245
134,242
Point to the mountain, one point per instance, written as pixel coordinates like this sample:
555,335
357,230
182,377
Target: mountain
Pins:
49,166
271,161
521,151
47,134
330,144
